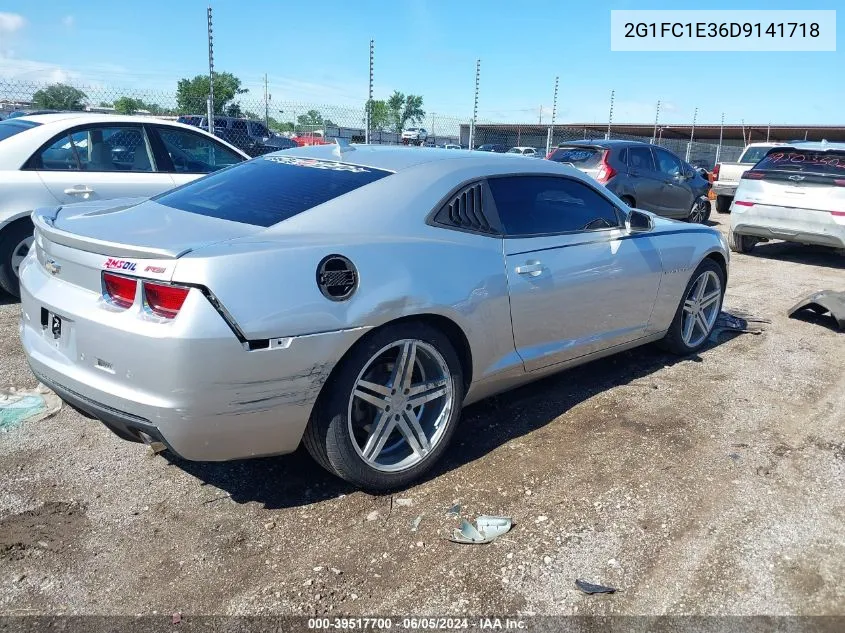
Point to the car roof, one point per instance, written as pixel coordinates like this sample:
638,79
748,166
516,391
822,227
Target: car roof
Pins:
814,146
607,143
396,159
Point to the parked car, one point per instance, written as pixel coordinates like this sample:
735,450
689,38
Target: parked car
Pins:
794,193
726,176
230,319
248,135
305,139
498,148
533,152
452,146
69,157
414,135
645,176
19,113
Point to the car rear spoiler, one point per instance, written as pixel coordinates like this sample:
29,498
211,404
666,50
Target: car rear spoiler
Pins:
43,219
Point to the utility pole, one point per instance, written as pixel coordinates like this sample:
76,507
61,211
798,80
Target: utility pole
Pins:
433,137
266,104
721,131
541,114
475,106
551,132
610,116
744,142
691,134
210,74
656,120
370,98
768,131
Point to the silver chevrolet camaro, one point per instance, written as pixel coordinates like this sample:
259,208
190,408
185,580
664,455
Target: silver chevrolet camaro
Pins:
351,297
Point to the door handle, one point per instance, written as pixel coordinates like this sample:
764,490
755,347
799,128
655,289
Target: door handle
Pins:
532,269
76,191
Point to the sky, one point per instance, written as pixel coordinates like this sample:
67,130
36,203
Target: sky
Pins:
317,52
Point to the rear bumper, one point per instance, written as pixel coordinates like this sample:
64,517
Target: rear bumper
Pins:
724,188
804,226
194,387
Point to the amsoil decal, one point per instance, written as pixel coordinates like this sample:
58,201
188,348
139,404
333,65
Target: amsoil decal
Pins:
119,264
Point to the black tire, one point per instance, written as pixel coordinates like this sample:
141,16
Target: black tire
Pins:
327,437
740,243
673,341
10,238
723,204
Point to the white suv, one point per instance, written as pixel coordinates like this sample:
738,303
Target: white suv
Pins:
795,193
416,135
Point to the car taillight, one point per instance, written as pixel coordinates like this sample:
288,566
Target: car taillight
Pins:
744,203
119,290
716,171
753,175
606,172
838,214
164,300
839,182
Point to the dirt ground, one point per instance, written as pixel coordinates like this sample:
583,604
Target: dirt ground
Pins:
707,485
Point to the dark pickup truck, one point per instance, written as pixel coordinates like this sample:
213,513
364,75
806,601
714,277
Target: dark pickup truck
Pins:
249,135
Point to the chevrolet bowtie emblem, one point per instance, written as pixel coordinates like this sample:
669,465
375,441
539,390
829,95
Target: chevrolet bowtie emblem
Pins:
52,267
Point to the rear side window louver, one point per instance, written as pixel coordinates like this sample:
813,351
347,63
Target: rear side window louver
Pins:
465,210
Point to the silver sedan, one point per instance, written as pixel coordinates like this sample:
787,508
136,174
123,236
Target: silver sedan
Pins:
352,298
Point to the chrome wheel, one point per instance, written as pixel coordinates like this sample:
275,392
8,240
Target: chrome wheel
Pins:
400,405
698,212
20,252
701,307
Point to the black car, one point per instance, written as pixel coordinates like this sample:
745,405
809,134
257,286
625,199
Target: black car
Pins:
643,175
493,147
249,135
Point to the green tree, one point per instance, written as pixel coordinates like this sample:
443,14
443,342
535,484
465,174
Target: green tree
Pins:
59,97
403,109
192,94
379,115
128,105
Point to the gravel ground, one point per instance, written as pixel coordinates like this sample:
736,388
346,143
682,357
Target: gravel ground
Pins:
708,485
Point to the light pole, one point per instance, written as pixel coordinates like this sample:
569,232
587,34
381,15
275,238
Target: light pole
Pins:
691,134
610,116
210,74
370,98
551,133
721,131
656,120
475,105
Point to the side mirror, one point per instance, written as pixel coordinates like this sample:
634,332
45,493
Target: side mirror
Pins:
638,222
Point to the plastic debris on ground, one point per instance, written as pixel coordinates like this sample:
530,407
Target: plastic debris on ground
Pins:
31,405
731,323
416,523
485,530
822,302
591,588
454,511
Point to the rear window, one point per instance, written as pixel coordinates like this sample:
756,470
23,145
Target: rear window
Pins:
820,163
583,157
754,154
270,189
10,127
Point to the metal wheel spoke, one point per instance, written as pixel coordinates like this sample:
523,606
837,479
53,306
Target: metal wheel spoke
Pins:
376,401
689,306
700,288
709,299
382,390
426,392
702,324
404,365
375,442
413,433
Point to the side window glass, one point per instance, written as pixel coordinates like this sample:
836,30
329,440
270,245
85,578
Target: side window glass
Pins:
193,153
667,163
113,149
541,205
640,158
60,156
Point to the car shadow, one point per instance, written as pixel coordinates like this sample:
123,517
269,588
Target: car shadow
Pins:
296,480
800,254
824,320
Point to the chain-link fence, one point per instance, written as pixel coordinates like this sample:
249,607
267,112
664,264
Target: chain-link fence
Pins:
258,125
